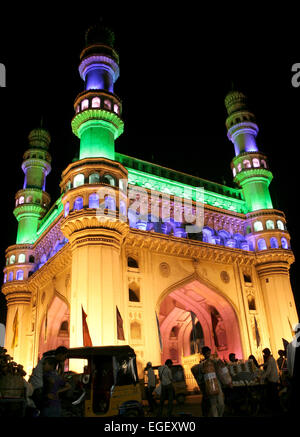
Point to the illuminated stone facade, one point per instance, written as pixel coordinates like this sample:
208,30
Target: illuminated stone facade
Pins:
118,237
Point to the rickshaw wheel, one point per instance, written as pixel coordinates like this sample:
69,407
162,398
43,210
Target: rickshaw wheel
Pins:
131,413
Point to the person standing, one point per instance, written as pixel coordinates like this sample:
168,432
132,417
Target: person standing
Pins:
271,376
167,389
36,378
212,405
150,387
53,385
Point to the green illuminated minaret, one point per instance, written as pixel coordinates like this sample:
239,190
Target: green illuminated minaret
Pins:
97,120
250,166
32,201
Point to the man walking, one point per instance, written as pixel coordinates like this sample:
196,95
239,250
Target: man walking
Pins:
271,376
150,387
167,389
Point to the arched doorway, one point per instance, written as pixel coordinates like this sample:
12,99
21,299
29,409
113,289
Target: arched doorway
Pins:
55,326
214,319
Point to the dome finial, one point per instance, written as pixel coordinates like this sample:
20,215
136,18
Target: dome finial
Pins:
99,33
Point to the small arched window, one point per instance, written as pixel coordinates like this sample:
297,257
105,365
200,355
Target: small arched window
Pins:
96,102
284,243
108,179
29,199
258,226
20,275
135,331
256,162
84,104
132,263
78,180
12,259
273,243
31,259
239,167
263,163
261,244
21,258
5,278
11,276
78,204
280,225
77,109
94,178
67,209
110,203
94,201
251,303
234,172
17,202
134,292
21,200
107,104
64,327
246,163
68,186
116,108
270,224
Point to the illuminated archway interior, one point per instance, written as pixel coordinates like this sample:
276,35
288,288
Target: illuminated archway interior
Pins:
55,326
216,324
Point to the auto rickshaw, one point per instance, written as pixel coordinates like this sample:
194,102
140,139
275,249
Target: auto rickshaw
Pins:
107,386
179,383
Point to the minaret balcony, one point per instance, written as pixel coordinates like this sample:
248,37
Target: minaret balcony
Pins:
32,196
98,99
248,161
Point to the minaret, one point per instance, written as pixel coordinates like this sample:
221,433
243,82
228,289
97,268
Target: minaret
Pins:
95,196
97,120
265,227
31,204
250,167
32,201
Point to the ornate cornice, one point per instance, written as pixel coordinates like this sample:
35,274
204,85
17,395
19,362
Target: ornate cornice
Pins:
87,223
16,292
168,245
187,248
51,268
276,259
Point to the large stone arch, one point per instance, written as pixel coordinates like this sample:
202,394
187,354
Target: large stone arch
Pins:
57,316
211,306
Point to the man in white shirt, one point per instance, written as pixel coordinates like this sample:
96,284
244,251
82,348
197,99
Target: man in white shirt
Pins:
167,389
271,376
150,386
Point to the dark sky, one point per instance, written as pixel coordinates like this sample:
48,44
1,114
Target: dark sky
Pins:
176,66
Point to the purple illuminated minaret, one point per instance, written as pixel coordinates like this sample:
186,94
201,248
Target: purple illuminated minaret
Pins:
97,121
249,166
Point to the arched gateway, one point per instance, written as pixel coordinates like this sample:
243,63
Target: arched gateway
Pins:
215,320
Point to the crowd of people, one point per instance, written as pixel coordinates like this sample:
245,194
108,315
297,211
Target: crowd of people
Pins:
46,383
41,392
280,378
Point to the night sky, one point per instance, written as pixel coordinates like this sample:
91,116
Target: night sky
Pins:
176,67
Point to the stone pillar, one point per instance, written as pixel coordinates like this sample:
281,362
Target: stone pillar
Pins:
17,340
279,301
